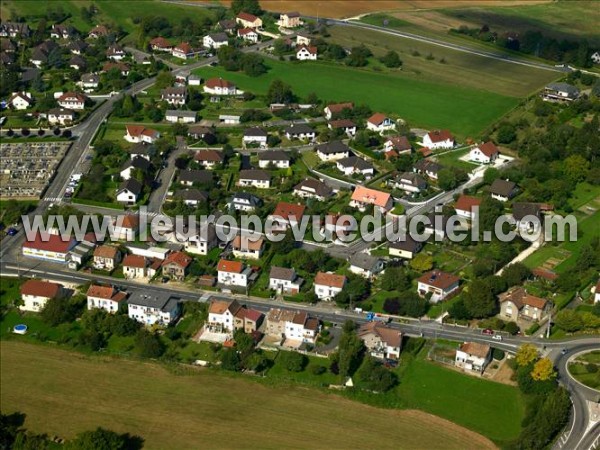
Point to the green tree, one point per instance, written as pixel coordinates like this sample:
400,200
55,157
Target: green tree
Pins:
350,351
292,361
568,320
515,274
147,344
230,360
59,310
99,439
253,64
279,92
506,133
422,262
373,376
395,279
249,6
479,299
164,79
391,59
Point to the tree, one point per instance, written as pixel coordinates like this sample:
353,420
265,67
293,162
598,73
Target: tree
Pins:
422,262
164,79
373,376
59,310
515,274
230,360
543,370
411,304
459,311
576,168
506,134
395,279
99,439
350,351
479,299
279,92
359,56
292,361
526,354
490,174
148,345
253,64
391,59
249,6
569,320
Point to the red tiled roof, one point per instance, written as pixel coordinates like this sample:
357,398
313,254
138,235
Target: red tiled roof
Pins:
489,149
139,130
440,135
371,196
40,288
377,118
184,47
247,16
339,107
178,258
209,155
220,306
438,279
245,31
342,123
425,151
160,42
130,221
218,82
106,292
466,203
49,243
106,251
70,95
136,261
230,266
253,315
311,49
330,279
288,210
475,349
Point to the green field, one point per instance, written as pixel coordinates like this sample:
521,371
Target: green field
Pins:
579,369
64,393
465,111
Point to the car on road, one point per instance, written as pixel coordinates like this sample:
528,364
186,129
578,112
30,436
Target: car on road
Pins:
564,351
488,332
497,337
12,231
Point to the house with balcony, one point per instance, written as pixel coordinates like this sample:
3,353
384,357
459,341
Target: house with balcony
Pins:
153,308
381,341
284,281
107,298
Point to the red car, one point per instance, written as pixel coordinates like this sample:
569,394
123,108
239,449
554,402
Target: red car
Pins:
488,331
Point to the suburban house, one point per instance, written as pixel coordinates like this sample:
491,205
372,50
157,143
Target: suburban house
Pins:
98,31
60,116
72,100
115,52
257,178
380,122
35,294
473,356
336,109
526,213
20,100
230,119
248,34
227,25
136,266
202,242
503,190
366,265
178,116
437,283
334,150
59,31
219,86
484,153
137,163
303,39
560,92
50,247
183,51
174,95
339,225
247,247
243,201
405,248
233,273
409,182
199,131
346,125
129,191
194,80
311,188
209,158
77,47
439,139
255,136
290,20
153,309
381,341
160,44
306,53
106,257
81,252
517,304
226,316
14,29
300,131
400,144
363,197
125,227
295,326
139,133
191,197
284,281
196,177
120,66
328,285
275,158
107,298
77,62
247,20
466,205
89,81
176,265
426,167
286,215
353,165
215,40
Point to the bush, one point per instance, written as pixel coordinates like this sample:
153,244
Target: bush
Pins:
292,361
148,345
317,370
512,328
532,329
591,368
497,354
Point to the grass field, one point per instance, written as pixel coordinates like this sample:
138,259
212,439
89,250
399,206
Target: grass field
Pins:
465,111
64,393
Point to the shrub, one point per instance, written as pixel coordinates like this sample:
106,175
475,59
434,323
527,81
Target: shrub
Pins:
318,370
532,329
292,361
512,328
497,354
591,368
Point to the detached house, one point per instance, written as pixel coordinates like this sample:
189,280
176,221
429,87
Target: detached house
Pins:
560,92
255,136
139,133
50,247
36,293
438,139
98,31
380,122
20,100
295,326
60,116
137,163
400,144
62,31
290,20
365,265
353,165
381,341
426,167
176,265
125,227
106,257
257,178
89,81
246,247
77,62
247,20
174,95
363,197
311,188
219,86
243,201
284,281
153,309
202,242
136,267
221,315
437,283
191,197
466,206
107,298
233,273
215,40
248,34
129,191
406,248
115,52
306,53
503,190
336,109
160,44
228,26
72,100
346,125
328,285
300,131
183,51
178,116
209,158
485,153
332,151
473,356
196,177
276,158
303,39
517,304
410,182
286,215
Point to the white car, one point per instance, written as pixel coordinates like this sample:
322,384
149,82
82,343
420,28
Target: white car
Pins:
497,337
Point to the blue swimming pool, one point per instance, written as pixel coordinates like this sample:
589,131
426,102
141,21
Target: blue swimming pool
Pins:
20,329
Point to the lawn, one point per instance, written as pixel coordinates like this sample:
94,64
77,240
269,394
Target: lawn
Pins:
452,159
467,112
183,409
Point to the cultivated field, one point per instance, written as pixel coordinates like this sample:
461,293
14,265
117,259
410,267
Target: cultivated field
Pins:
64,393
467,112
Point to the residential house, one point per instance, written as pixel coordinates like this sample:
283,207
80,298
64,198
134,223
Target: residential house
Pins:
81,252
248,34
179,116
306,53
176,265
215,40
296,326
120,66
426,167
290,20
20,100
203,241
473,356
410,182
336,109
437,283
327,285
366,265
363,197
49,247
503,190
115,52
219,86
140,149
39,54
276,158
191,197
137,163
60,116
125,227
467,206
311,188
400,144
89,81
286,215
200,131
257,178
136,267
300,131
517,304
98,31
228,26
174,95
194,80
255,136
77,47
381,341
346,125
72,100
107,298
222,314
106,257
233,273
485,153
160,44
209,158
129,191
560,92
527,215
353,165
284,281
139,133
247,247
332,151
154,308
380,123
597,292
59,31
243,201
247,20
183,50
230,119
303,39
439,139
405,248
14,29
36,293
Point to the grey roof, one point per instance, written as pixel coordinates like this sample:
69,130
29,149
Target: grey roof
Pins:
61,112
320,188
227,24
90,78
255,132
407,244
180,113
30,73
218,37
132,185
356,162
520,210
426,165
196,176
504,188
139,148
253,200
174,92
414,179
571,90
274,155
192,195
300,128
363,261
333,147
282,273
164,302
138,162
255,174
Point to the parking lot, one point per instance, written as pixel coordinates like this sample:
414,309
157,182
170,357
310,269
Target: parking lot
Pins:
26,168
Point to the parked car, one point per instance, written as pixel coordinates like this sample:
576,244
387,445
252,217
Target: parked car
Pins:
488,331
497,337
12,231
